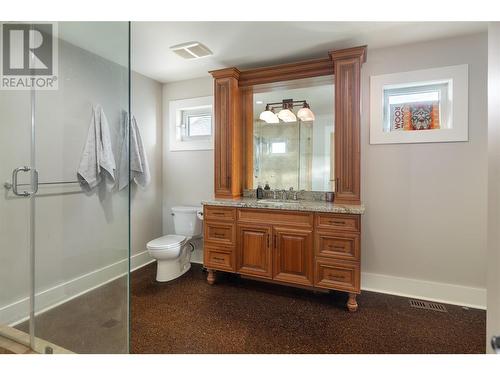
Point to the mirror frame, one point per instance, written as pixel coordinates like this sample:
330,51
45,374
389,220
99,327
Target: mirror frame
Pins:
233,132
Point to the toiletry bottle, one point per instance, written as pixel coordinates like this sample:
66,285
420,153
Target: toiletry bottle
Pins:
260,192
267,187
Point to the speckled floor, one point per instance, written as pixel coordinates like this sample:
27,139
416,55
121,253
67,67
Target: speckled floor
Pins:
242,316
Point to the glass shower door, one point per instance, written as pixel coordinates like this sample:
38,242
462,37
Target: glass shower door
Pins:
65,245
15,219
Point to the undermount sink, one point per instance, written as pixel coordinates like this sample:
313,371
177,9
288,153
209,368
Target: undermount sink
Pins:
278,203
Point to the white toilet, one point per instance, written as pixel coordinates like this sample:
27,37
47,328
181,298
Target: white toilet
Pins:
173,251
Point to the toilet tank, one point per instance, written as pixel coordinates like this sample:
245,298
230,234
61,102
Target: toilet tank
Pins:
186,221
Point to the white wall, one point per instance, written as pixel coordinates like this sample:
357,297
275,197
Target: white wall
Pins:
187,175
146,208
426,204
493,315
81,239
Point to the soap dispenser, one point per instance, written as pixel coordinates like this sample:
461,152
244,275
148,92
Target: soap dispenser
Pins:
260,192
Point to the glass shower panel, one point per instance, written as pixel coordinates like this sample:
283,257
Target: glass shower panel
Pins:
82,234
15,152
64,245
277,154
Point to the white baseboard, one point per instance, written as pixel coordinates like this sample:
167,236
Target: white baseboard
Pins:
17,312
426,290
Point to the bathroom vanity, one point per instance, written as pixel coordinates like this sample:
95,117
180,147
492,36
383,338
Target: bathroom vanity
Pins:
307,243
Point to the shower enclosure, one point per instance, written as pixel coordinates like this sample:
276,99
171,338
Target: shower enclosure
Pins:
64,249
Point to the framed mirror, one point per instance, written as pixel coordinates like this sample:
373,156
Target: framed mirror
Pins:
294,135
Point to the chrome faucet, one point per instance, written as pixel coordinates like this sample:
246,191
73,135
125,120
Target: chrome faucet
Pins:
283,194
275,193
296,194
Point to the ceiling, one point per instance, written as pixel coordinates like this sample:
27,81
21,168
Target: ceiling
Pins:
243,44
254,44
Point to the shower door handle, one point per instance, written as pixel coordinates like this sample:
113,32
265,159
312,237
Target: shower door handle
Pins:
34,184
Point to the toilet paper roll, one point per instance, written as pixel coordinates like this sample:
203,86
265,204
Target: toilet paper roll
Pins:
199,214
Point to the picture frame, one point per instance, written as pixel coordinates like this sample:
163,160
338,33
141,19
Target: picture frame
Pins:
421,106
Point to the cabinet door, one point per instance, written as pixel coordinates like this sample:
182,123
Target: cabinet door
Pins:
293,255
222,133
254,250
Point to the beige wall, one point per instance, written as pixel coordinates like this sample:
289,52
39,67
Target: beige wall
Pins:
493,315
426,203
146,211
187,175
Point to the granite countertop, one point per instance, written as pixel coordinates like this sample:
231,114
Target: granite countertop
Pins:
290,205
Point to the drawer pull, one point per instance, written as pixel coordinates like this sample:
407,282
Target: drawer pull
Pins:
336,277
336,247
218,259
218,213
219,235
337,222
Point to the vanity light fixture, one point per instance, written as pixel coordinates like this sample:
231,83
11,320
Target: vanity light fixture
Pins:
286,114
269,116
305,113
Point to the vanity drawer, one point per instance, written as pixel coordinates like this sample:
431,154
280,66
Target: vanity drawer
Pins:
338,275
219,258
339,245
345,222
270,216
222,233
219,213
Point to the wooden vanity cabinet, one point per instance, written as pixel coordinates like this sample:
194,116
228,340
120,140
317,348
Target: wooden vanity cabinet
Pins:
305,249
312,250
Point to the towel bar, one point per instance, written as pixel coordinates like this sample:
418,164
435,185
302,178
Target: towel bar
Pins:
8,185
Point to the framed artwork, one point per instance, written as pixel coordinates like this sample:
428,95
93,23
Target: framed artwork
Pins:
421,106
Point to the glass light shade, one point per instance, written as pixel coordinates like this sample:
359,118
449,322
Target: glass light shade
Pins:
269,117
305,114
287,116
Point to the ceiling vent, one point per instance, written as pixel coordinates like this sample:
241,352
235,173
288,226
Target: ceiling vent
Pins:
191,50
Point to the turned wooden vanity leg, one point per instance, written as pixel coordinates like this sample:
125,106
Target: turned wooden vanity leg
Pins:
211,277
352,305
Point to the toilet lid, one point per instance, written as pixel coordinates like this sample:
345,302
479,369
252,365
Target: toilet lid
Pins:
166,242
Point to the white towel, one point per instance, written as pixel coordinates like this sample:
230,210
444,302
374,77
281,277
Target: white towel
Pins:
139,167
97,162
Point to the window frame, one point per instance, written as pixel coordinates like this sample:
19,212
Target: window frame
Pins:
454,117
177,140
188,113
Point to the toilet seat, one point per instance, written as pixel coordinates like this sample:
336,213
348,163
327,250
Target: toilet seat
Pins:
170,241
